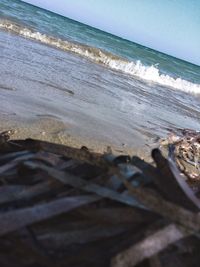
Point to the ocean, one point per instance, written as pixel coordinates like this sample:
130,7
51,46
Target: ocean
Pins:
60,78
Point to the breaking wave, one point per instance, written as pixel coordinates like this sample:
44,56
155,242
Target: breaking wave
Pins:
137,69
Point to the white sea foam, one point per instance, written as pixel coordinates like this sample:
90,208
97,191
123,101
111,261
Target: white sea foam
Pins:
153,74
137,69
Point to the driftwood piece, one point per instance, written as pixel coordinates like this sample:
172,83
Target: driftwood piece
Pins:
149,246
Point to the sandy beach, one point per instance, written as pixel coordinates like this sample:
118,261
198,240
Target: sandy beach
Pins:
53,130
99,133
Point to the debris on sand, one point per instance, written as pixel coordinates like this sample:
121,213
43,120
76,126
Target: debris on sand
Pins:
63,206
184,148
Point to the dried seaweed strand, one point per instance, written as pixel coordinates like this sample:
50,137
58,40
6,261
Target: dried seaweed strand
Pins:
149,246
15,219
167,209
80,183
14,193
147,199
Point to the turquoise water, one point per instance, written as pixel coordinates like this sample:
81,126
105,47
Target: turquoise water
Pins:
65,78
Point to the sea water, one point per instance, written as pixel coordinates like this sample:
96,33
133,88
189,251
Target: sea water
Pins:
99,84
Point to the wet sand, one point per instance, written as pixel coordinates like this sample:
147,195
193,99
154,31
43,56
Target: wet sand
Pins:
53,130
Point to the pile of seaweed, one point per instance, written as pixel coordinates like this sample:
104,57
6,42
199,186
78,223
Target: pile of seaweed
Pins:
63,206
184,149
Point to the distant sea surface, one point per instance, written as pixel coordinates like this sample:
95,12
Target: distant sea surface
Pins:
99,84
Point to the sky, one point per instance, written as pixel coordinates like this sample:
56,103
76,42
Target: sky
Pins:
169,26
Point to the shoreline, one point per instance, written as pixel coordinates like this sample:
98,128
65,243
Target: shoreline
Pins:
60,97
56,131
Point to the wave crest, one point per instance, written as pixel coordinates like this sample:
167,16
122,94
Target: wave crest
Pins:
137,69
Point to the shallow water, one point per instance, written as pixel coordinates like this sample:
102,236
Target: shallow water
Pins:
62,93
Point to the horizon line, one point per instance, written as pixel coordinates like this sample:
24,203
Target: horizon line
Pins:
120,37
